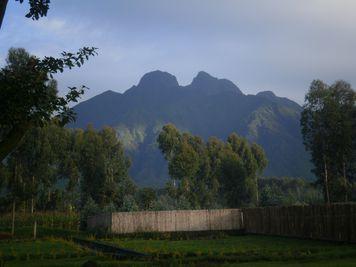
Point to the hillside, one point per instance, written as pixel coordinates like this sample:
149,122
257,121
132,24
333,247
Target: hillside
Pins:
207,107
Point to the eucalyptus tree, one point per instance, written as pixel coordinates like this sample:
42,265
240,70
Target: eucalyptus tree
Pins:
328,129
205,170
104,168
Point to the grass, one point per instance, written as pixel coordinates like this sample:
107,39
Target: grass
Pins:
223,250
69,221
245,249
40,249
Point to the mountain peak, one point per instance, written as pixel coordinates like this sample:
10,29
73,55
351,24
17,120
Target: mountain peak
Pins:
267,94
158,78
212,85
203,78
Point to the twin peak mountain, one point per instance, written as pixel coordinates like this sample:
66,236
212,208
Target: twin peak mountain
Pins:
207,107
155,81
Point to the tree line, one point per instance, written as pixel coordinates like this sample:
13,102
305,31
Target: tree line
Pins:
55,168
213,173
48,167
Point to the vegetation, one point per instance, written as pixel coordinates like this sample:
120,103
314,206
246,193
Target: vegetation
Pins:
59,169
206,175
57,173
206,107
31,94
329,129
287,191
38,8
54,178
243,249
223,250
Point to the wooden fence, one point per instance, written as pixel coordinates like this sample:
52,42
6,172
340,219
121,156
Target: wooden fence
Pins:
168,221
336,222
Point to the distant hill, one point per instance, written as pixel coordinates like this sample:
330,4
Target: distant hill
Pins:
207,107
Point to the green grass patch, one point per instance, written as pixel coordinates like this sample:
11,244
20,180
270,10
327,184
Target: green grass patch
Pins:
26,232
222,250
245,248
40,249
62,220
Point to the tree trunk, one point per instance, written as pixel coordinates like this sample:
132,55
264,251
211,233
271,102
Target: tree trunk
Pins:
345,181
3,4
327,195
12,139
13,217
32,205
257,197
49,195
35,230
32,198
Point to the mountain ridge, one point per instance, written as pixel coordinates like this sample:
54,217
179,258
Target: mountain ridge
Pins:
208,106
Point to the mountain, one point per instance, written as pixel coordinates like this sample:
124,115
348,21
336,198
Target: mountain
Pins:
207,107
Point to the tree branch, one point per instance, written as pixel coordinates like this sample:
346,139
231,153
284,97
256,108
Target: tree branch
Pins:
11,140
3,4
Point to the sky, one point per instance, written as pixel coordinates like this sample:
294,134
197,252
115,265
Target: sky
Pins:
276,45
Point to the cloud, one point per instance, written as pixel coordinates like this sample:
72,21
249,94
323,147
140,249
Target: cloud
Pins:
273,45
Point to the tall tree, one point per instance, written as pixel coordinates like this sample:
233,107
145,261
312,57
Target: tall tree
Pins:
29,94
203,170
103,167
328,133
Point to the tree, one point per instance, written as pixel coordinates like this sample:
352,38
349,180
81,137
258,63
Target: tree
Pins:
327,125
254,161
29,94
146,198
285,191
38,8
233,180
201,171
15,185
104,168
168,140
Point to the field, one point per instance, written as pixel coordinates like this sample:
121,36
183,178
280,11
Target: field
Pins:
222,249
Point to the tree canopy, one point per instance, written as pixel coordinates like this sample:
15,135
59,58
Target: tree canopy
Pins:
213,173
328,128
29,96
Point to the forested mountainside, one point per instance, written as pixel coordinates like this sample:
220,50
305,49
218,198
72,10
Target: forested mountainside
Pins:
207,107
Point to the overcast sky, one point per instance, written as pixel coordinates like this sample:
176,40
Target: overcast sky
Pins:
276,45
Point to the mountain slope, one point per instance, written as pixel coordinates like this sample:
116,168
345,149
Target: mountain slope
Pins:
207,107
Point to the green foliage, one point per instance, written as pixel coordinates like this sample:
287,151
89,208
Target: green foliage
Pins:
31,94
129,204
205,175
90,208
248,250
328,128
48,219
288,191
69,170
38,8
146,198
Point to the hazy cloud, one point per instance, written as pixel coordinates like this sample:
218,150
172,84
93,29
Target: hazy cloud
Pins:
278,45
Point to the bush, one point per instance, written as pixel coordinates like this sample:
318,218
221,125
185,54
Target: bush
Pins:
61,220
89,209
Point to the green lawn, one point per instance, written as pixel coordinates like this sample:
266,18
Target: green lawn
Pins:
40,249
247,249
243,251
